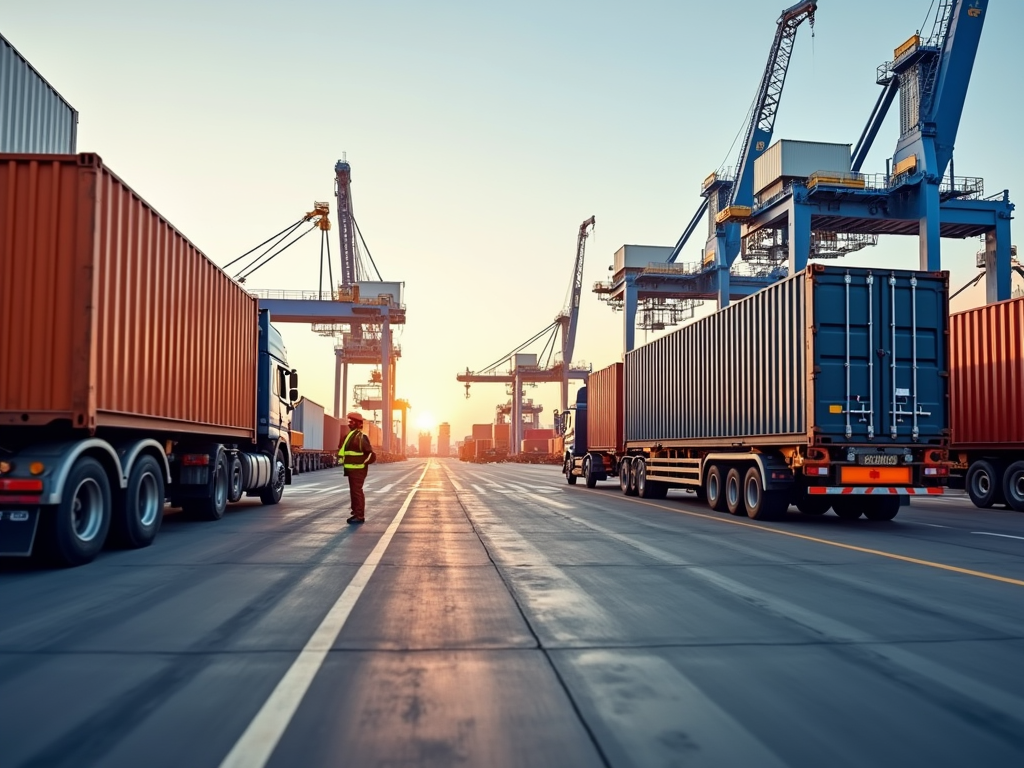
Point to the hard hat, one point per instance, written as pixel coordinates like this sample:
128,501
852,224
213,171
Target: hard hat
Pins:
353,416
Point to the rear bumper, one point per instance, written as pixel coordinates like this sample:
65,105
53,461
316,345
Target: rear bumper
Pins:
873,490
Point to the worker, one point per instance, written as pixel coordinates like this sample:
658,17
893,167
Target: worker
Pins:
356,454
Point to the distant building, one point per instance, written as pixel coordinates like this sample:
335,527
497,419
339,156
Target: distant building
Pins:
444,439
425,441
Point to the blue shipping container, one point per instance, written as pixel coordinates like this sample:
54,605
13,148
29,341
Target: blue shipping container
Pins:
831,355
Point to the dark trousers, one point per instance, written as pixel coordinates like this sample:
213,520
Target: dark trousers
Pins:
356,478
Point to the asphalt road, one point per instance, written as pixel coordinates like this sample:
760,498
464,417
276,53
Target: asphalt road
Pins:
491,615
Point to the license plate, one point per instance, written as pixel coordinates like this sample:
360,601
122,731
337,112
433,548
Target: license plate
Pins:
878,460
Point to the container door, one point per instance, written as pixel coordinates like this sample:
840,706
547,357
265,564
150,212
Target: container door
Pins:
880,352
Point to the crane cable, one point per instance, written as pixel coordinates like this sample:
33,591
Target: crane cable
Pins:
282,234
241,276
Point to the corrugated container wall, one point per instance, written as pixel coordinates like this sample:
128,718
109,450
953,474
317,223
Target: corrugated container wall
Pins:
332,432
308,418
604,409
987,376
501,435
799,159
481,431
33,116
809,358
108,315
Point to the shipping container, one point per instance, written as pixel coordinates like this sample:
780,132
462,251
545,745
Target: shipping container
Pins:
987,402
109,316
787,159
604,395
828,389
308,418
332,432
482,432
538,434
501,435
534,445
33,116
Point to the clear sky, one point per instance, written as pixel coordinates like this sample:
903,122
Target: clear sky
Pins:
480,136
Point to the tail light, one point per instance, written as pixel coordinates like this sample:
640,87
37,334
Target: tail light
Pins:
196,460
816,470
25,486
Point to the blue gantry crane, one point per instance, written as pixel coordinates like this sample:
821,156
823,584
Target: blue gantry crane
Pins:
915,196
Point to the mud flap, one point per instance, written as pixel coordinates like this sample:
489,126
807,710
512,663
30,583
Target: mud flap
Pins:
18,531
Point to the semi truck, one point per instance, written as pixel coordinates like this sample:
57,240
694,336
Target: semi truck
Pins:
133,370
987,402
827,390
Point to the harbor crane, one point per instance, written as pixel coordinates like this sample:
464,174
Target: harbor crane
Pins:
545,367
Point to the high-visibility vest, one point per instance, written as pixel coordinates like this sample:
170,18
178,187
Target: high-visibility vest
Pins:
345,453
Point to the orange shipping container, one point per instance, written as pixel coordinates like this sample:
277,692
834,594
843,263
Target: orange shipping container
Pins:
110,317
332,433
604,409
501,434
481,431
535,445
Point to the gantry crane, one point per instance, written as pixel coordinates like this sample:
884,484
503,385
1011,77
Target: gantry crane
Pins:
545,367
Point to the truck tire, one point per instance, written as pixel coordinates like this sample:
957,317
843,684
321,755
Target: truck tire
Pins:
734,502
848,507
236,485
644,489
140,510
762,504
882,508
570,478
212,507
588,472
983,484
272,493
714,488
626,482
82,519
1013,486
814,505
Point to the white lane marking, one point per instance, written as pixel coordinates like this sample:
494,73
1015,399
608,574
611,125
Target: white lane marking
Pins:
517,488
550,502
1000,535
385,488
479,490
259,740
932,525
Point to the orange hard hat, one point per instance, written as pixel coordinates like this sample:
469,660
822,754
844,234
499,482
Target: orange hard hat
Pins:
353,416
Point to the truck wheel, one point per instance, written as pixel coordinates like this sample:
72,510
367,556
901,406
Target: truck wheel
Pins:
626,476
762,504
814,505
235,488
570,478
848,507
643,487
882,508
714,488
212,507
983,484
82,519
139,512
734,502
1013,486
272,493
588,472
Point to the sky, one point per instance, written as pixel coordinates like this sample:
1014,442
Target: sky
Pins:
480,136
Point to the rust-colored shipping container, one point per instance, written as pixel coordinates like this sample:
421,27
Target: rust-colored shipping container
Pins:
501,435
483,445
534,445
604,409
332,433
538,434
109,316
482,432
987,376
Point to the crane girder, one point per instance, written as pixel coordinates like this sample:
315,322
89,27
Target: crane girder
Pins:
569,337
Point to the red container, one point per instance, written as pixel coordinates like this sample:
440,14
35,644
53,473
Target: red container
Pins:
604,409
501,435
483,445
538,434
110,317
482,432
332,433
535,445
987,376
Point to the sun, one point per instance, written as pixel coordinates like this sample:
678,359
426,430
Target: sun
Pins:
425,422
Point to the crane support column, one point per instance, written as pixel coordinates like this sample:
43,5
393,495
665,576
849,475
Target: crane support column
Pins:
929,231
997,261
385,369
339,386
629,307
799,219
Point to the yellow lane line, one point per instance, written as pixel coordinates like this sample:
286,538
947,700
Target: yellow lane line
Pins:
815,539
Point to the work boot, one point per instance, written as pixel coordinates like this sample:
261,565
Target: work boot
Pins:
355,519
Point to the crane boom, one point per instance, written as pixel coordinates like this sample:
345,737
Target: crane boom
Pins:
569,340
766,105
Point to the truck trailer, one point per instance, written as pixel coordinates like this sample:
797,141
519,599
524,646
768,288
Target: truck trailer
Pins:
133,370
987,402
827,390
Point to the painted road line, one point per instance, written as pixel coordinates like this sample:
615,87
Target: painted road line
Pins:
828,542
1000,535
386,488
259,740
549,502
933,525
479,490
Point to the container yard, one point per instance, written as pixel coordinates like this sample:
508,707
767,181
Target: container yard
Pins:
745,490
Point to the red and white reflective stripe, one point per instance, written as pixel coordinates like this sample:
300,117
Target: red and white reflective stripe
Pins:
871,490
